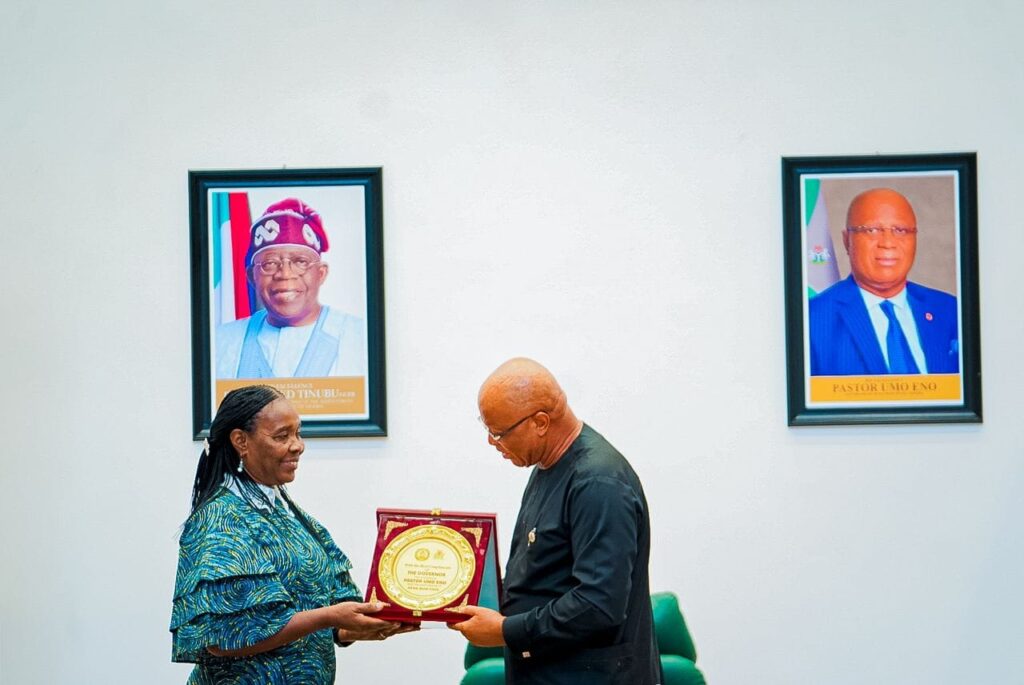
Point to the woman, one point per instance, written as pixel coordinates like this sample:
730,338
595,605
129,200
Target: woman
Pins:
262,592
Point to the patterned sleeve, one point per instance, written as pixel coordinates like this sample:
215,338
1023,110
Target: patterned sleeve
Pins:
345,589
227,592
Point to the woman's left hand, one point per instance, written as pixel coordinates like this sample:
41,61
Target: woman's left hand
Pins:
375,633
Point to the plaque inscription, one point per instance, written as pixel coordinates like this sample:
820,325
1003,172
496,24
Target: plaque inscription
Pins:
427,567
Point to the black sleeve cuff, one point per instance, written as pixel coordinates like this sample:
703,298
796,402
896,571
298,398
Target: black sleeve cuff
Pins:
513,630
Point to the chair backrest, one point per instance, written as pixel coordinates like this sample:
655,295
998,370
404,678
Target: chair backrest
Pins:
475,654
670,628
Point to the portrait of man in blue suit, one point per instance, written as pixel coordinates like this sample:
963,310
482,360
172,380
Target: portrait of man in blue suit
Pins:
875,321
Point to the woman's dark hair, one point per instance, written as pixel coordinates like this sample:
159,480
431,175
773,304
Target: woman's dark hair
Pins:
238,410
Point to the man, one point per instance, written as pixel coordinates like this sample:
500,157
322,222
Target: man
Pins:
576,605
876,321
294,336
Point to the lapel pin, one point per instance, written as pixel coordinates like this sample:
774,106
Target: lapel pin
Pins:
531,537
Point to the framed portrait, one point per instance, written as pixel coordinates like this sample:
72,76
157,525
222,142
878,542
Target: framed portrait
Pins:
288,291
881,289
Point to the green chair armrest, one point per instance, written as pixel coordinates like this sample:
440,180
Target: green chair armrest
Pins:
679,670
486,672
670,628
475,654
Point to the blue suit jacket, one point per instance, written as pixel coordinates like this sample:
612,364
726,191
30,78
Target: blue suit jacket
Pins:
843,342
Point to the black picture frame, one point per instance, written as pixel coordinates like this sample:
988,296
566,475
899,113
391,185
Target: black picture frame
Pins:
942,189
346,399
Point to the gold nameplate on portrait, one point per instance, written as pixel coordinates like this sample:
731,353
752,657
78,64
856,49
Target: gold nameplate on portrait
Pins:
312,397
426,564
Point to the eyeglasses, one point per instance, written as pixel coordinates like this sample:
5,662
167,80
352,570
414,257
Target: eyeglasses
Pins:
300,265
878,231
496,437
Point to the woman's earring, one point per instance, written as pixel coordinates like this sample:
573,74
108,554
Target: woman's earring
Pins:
240,466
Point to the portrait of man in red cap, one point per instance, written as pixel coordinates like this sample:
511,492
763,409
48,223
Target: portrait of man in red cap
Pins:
292,334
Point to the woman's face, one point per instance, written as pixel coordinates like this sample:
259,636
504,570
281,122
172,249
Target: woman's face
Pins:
271,450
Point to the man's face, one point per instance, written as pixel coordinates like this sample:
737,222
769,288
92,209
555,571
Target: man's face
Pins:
291,297
881,258
518,443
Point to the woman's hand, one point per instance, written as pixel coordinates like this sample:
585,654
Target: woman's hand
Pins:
354,622
343,635
350,621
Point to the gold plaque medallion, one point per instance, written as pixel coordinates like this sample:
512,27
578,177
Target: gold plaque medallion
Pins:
426,567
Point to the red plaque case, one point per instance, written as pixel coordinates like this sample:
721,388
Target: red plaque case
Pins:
426,564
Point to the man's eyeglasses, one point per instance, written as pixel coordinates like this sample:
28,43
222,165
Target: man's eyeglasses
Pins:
496,437
300,265
878,231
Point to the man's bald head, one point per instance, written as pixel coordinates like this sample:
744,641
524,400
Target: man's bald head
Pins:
878,204
523,384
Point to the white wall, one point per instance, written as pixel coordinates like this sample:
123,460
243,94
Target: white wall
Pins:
592,184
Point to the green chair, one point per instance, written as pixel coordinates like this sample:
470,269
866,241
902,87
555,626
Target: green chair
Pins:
486,665
678,655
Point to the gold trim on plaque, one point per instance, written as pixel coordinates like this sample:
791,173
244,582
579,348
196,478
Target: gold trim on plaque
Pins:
426,567
458,609
476,533
435,512
390,527
373,596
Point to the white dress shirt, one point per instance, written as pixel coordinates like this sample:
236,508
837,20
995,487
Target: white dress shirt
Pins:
880,322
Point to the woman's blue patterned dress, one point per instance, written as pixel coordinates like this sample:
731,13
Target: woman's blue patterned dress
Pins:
242,573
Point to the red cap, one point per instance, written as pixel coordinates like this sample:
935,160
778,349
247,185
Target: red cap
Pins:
288,222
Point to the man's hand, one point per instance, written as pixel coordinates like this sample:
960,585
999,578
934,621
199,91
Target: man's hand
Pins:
483,628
